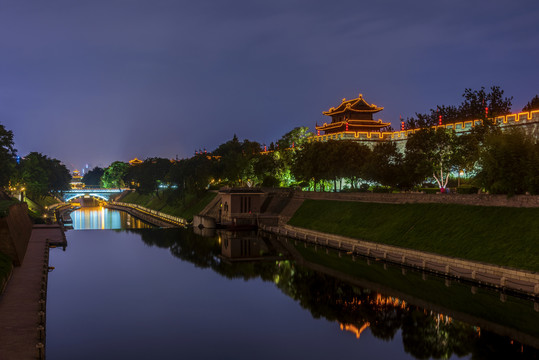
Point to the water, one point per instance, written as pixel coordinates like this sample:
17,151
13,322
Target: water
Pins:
168,293
103,218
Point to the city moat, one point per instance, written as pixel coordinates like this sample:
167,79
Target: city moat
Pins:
122,289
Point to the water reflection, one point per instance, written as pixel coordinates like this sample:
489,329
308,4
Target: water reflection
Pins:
120,294
425,332
102,218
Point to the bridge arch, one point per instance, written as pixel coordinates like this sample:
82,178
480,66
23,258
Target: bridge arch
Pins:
96,193
94,196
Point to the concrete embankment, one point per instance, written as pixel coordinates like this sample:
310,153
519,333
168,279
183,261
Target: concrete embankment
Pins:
150,216
516,280
278,207
23,303
15,230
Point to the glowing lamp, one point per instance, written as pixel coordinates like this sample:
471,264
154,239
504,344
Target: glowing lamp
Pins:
402,125
439,119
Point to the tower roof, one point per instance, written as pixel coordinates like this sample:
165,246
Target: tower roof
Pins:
355,105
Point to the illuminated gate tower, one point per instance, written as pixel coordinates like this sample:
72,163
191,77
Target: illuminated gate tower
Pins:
354,117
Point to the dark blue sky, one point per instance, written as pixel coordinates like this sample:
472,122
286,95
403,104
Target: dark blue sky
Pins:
98,81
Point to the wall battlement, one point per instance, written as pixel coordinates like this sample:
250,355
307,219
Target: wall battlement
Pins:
526,119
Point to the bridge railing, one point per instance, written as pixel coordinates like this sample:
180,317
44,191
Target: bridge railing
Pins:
92,189
174,219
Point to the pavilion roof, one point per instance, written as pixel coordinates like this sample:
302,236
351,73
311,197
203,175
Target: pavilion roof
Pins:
355,105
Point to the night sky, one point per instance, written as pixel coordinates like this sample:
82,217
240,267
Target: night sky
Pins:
99,81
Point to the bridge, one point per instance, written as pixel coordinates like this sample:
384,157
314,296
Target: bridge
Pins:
96,193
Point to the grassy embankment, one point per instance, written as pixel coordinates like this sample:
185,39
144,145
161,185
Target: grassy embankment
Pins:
497,235
36,207
192,205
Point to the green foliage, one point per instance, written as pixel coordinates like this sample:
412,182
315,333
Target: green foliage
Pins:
235,164
431,152
115,175
533,104
476,233
147,177
472,108
7,156
384,165
509,163
42,175
93,177
169,203
329,161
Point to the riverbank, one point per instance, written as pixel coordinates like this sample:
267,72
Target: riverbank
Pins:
462,236
504,236
185,208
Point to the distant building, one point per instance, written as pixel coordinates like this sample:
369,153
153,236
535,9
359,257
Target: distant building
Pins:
135,161
76,180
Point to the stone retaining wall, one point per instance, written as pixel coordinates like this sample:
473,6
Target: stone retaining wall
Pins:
15,230
526,282
403,198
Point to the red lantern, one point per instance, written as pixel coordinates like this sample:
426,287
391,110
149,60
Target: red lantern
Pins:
402,125
486,111
439,119
347,126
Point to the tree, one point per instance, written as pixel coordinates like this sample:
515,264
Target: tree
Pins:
114,176
432,152
7,155
235,158
509,163
384,165
43,175
308,164
93,177
149,175
479,104
533,104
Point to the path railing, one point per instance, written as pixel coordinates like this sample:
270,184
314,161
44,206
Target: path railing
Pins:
157,214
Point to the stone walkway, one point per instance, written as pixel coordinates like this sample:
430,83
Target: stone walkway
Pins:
22,306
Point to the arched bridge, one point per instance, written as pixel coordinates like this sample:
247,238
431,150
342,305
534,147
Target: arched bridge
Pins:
96,193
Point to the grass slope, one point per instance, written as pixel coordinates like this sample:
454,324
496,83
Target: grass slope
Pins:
192,205
497,235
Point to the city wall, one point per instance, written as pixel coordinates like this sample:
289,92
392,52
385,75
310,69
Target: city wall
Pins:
528,121
15,231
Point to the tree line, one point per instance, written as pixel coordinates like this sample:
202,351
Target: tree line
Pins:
36,173
499,162
487,157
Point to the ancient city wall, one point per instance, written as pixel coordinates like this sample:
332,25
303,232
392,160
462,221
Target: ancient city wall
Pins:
15,231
